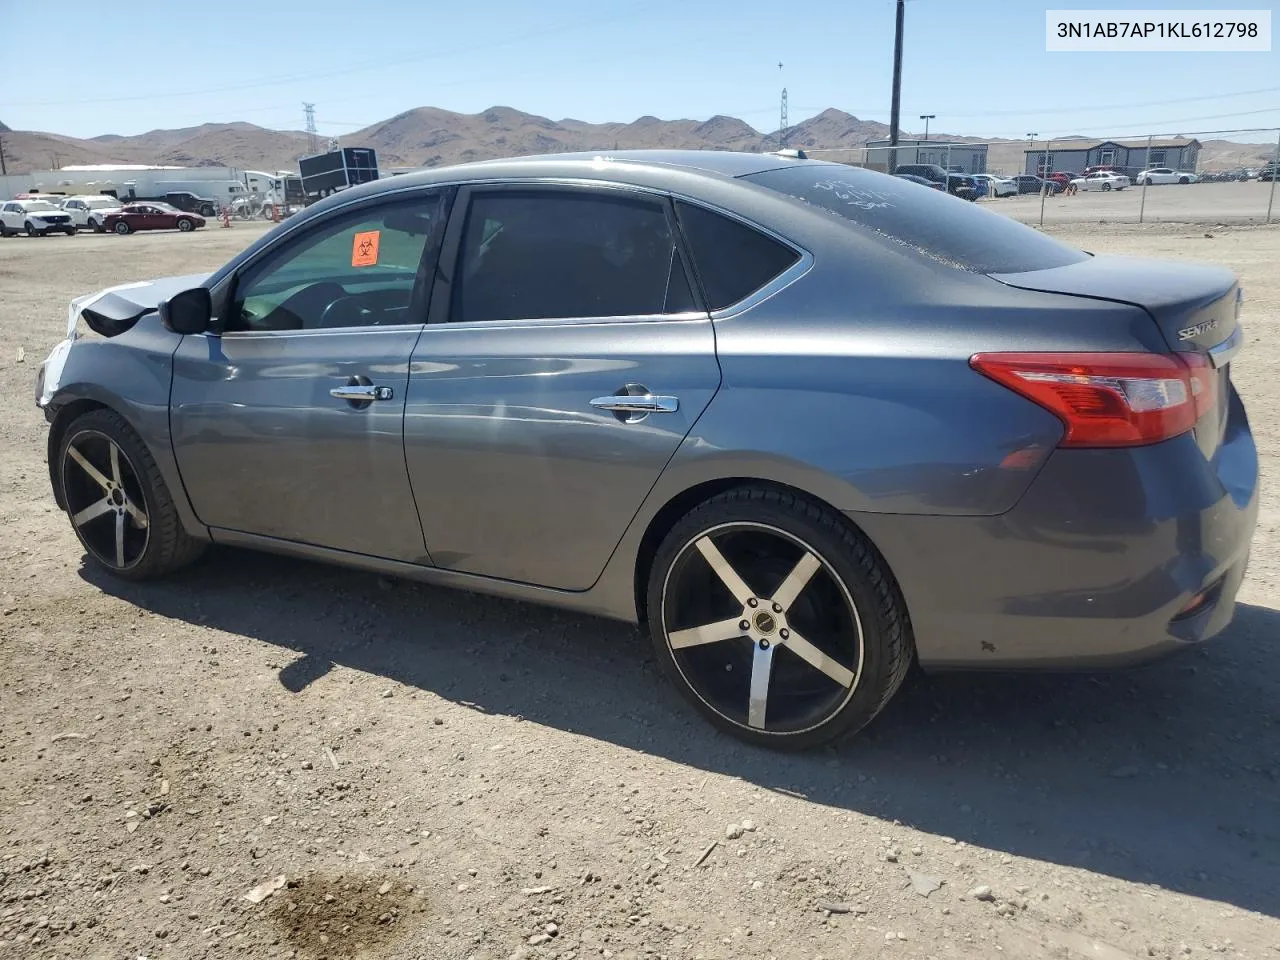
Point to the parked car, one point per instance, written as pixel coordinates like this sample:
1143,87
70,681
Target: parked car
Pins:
35,218
921,180
772,492
1156,175
997,186
1103,180
956,184
1269,172
1030,183
150,216
90,211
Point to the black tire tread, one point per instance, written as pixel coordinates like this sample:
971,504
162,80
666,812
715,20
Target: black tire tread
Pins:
170,547
895,635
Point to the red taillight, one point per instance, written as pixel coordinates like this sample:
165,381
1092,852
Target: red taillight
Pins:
1110,399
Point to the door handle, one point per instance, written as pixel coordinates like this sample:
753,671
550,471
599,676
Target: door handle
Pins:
643,403
361,393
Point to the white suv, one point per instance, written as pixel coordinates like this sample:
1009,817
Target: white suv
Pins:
37,218
90,211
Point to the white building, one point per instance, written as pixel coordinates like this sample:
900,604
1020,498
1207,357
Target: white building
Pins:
128,180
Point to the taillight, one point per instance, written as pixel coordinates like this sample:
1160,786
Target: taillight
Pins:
1110,399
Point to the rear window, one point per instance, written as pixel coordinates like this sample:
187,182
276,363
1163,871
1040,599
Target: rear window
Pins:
957,232
732,260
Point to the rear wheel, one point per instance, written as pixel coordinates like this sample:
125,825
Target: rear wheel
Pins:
119,505
1184,179
776,619
1106,187
122,228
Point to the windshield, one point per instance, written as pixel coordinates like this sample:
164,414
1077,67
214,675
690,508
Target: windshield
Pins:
956,232
38,205
164,208
98,203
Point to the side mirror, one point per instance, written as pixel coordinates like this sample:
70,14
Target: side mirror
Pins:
190,311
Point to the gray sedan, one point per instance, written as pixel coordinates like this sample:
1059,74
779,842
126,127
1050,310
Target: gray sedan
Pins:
809,423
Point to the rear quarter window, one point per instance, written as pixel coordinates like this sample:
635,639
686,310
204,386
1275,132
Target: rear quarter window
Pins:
955,232
732,260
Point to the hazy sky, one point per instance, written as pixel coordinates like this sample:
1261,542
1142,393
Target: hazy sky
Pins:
127,66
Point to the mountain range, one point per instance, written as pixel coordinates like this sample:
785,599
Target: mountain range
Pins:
429,136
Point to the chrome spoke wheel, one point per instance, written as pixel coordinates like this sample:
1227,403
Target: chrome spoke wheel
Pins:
105,499
761,628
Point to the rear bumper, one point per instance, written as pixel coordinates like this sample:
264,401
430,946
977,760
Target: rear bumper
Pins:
1093,566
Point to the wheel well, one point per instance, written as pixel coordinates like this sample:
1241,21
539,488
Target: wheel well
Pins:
61,420
667,517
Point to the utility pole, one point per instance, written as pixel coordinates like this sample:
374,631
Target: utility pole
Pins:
4,171
926,117
895,108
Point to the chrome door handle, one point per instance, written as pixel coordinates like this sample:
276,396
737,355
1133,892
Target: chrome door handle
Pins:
644,403
360,393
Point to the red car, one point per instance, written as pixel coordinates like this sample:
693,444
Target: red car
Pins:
151,216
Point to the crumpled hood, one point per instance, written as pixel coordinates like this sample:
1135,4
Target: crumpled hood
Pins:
112,311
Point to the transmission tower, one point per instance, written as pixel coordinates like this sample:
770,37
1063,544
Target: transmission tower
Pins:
309,109
782,121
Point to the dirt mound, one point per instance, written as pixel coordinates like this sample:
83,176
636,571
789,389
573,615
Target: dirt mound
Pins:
337,917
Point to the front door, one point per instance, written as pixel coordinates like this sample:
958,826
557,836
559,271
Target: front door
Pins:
571,361
288,423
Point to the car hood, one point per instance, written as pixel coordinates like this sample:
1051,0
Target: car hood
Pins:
46,213
112,311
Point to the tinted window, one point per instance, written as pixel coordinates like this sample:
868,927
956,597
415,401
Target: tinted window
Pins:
544,254
956,232
354,270
732,260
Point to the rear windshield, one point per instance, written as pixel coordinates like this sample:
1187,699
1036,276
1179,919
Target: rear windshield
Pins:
957,232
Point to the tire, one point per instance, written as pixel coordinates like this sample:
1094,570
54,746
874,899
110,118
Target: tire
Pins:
5,232
122,228
124,517
96,226
1184,179
185,225
31,230
71,232
1106,187
847,602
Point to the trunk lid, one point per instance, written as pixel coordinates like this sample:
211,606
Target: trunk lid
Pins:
1196,307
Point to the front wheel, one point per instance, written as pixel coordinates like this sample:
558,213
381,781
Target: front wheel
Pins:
30,228
185,225
1106,187
776,619
1184,179
120,507
122,228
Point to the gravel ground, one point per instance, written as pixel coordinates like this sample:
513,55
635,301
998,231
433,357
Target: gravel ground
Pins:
271,758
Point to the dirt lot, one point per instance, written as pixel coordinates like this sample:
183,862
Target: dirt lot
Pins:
436,775
1203,202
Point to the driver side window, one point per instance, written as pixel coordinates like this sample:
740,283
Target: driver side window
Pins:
356,269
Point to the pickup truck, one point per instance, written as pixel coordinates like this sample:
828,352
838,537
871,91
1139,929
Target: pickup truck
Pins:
956,183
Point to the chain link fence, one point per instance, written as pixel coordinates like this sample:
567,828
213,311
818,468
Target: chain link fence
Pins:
1212,176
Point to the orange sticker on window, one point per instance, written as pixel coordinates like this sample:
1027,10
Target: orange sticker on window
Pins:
364,249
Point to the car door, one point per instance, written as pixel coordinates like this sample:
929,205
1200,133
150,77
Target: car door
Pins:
8,215
566,360
288,419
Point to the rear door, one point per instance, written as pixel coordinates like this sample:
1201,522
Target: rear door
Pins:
566,360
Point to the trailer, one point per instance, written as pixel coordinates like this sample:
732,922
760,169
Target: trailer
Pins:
327,173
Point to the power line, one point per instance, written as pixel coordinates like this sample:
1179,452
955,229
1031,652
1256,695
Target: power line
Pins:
359,67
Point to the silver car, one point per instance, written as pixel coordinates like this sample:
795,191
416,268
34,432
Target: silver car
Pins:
808,422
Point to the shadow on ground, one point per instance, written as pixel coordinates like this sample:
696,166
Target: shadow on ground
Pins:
1169,775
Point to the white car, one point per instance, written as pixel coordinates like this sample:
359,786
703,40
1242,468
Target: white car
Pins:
1102,180
90,211
1166,175
998,186
35,218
